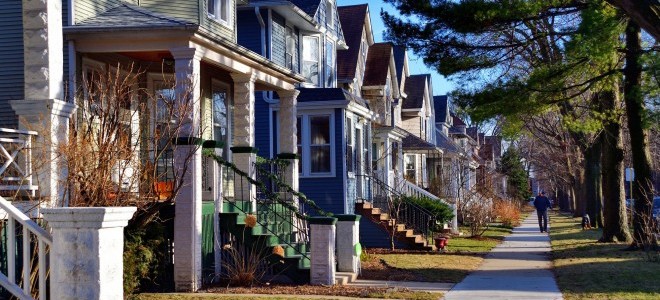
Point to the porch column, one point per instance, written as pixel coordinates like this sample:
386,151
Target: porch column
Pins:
288,138
43,109
243,152
188,168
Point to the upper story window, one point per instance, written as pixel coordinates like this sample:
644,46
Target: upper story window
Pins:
329,15
329,64
219,10
310,67
364,47
289,55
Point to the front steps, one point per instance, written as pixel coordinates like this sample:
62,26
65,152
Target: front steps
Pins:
401,232
293,264
344,278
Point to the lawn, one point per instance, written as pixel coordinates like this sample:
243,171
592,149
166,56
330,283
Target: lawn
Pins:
586,269
463,255
364,293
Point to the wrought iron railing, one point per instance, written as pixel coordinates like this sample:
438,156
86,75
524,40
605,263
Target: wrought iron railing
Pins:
280,211
394,203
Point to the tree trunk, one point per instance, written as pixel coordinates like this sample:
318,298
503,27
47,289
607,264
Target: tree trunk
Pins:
593,193
639,141
580,194
614,210
644,12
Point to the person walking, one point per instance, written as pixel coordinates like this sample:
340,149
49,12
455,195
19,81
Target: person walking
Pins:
542,203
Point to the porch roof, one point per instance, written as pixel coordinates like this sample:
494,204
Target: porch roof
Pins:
446,143
412,143
328,94
128,16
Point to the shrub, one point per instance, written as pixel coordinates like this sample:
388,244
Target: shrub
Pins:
442,212
508,213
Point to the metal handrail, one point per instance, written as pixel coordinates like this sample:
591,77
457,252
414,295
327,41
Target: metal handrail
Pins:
418,218
44,239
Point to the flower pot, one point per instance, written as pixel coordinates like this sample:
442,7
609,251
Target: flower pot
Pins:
441,243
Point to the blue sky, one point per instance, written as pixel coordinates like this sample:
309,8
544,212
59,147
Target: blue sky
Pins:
440,84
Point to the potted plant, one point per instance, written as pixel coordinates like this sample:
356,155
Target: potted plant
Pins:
441,241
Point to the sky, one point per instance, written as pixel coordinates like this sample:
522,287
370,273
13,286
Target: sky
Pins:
415,64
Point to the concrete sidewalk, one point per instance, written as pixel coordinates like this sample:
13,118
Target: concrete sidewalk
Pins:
519,268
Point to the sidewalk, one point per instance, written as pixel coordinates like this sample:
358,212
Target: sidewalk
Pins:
519,268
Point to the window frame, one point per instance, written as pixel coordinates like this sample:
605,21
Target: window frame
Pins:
330,65
305,155
217,85
216,16
318,60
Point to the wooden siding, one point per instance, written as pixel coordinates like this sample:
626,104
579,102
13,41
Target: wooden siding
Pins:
11,59
214,28
184,10
278,40
412,125
262,127
328,192
249,30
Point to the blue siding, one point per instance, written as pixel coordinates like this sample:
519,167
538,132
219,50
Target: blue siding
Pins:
328,192
249,30
278,40
374,236
261,126
11,59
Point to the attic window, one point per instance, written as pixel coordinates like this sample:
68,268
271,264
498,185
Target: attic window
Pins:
219,10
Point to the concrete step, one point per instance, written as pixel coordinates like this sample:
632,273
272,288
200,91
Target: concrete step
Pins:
344,278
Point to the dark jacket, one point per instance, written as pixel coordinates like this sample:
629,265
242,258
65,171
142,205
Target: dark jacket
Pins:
542,203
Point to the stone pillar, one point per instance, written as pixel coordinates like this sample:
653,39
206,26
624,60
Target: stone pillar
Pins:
42,109
322,240
288,138
188,158
244,154
87,252
348,243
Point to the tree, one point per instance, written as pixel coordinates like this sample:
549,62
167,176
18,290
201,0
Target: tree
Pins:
517,179
646,13
542,54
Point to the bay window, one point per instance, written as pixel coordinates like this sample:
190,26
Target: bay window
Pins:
311,59
316,145
329,64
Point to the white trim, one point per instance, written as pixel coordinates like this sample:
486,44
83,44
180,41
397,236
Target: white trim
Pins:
217,10
305,144
345,173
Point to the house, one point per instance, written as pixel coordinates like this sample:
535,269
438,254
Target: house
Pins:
180,52
334,122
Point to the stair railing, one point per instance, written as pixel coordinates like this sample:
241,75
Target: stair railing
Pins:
280,210
393,202
44,242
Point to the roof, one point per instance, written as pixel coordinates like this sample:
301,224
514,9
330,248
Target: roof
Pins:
473,132
399,60
328,94
131,16
308,6
412,142
445,143
414,88
441,104
376,70
457,121
496,141
352,19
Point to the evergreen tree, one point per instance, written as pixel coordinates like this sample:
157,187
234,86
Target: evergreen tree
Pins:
517,180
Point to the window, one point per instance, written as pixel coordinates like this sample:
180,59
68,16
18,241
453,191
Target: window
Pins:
410,168
329,15
350,155
329,64
299,141
219,10
315,145
311,59
221,117
290,51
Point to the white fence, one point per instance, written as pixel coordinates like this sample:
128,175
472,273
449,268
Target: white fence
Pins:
23,289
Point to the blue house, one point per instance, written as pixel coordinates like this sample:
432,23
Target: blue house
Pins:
333,124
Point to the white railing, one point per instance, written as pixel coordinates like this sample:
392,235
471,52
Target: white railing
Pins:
16,172
44,240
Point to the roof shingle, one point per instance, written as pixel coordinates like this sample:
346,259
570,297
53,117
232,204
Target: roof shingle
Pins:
414,88
131,16
352,20
441,104
378,64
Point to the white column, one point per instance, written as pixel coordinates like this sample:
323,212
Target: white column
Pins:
188,158
288,139
243,151
322,240
42,109
87,252
348,227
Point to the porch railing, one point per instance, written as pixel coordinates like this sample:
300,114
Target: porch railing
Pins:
23,289
393,202
279,210
16,160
